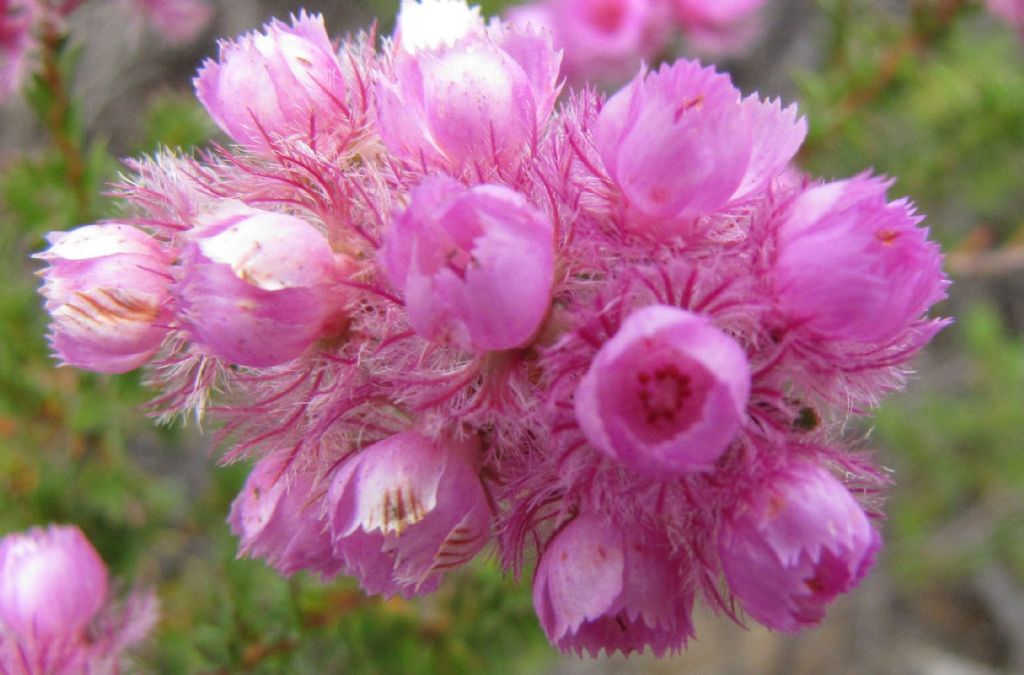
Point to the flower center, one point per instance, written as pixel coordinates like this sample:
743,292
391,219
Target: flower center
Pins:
663,392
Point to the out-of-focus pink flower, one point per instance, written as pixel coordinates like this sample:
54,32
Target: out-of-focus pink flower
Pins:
479,99
282,83
405,510
602,40
1010,10
259,287
16,19
176,20
476,264
52,582
601,586
278,518
794,543
713,14
54,611
107,293
853,267
666,395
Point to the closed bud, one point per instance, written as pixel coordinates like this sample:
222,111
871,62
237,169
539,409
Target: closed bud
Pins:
259,287
106,290
793,544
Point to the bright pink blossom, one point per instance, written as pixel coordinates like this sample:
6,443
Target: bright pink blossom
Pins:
794,543
278,518
601,586
679,142
476,264
853,267
176,20
52,582
477,101
405,510
259,287
666,395
107,292
285,82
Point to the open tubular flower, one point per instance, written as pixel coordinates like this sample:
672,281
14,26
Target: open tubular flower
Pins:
601,586
475,264
405,510
107,291
666,395
794,544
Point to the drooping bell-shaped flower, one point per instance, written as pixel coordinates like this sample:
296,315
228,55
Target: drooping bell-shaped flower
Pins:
477,101
475,264
793,544
106,291
259,287
599,585
666,395
282,83
405,510
680,143
851,266
278,518
52,583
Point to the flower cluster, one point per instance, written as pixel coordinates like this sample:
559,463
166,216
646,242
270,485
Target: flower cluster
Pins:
55,614
605,40
619,337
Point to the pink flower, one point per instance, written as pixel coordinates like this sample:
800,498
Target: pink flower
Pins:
278,518
713,14
477,101
54,613
854,267
476,264
16,20
52,582
793,544
680,144
600,586
176,20
259,288
285,82
107,293
602,40
666,395
406,509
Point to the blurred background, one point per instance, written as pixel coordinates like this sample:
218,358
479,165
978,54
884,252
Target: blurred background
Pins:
929,91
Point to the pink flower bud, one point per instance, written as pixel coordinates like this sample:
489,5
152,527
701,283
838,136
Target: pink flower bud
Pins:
281,83
793,545
405,510
52,583
680,111
277,518
107,293
476,264
666,395
480,100
259,287
600,586
854,267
